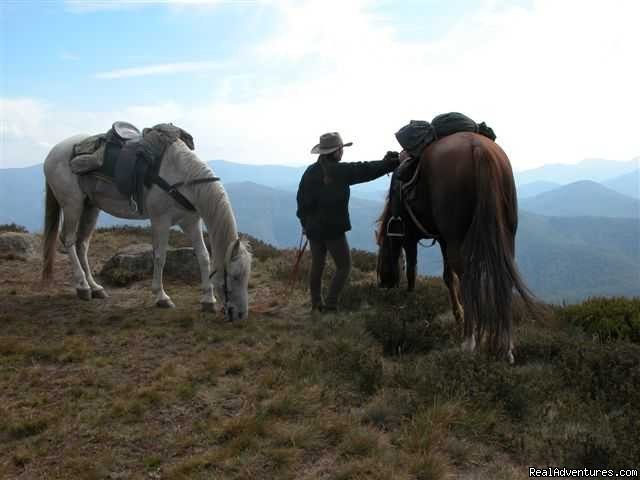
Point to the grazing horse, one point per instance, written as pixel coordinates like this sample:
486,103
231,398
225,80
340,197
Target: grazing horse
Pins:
231,257
466,201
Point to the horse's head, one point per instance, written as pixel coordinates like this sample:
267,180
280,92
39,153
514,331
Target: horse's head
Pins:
390,258
232,284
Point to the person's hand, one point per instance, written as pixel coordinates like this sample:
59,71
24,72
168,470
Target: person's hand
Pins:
390,155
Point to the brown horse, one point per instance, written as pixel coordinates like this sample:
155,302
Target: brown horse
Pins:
466,200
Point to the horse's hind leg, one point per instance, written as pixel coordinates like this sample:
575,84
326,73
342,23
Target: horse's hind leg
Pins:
87,224
71,213
453,269
452,281
193,230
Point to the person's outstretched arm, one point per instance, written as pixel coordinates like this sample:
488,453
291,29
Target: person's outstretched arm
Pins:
360,172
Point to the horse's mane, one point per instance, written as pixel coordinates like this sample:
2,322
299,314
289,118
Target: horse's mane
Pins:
212,199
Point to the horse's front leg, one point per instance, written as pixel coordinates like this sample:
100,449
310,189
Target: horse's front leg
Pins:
194,231
411,252
160,234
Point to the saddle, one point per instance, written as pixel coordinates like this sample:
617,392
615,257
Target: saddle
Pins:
414,138
129,159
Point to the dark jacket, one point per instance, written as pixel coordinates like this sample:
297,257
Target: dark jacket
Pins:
323,209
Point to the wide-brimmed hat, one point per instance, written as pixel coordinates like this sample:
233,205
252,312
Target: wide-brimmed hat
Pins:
329,143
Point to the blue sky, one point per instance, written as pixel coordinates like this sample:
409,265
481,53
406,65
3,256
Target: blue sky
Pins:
259,81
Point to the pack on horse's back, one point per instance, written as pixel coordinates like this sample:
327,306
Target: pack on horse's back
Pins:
123,161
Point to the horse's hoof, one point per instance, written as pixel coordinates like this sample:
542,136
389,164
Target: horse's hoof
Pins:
84,293
510,358
100,293
165,304
208,307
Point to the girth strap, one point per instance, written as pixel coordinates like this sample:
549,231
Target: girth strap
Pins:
417,223
173,192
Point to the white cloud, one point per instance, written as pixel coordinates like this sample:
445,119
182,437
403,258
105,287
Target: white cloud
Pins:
161,69
68,56
30,128
557,82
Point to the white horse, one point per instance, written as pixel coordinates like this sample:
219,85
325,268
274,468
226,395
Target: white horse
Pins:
231,257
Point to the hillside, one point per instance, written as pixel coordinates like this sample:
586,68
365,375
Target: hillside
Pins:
118,389
584,198
570,259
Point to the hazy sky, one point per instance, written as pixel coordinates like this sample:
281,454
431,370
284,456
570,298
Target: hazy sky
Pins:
259,81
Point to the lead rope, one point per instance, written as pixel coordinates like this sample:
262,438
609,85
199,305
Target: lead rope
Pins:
302,246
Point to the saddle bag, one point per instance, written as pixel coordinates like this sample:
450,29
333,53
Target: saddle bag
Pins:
88,155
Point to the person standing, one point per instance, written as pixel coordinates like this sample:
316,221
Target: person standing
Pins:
323,210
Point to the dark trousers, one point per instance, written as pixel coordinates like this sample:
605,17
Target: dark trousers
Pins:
339,250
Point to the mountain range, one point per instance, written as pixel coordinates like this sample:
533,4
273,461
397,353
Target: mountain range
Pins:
583,198
574,240
597,170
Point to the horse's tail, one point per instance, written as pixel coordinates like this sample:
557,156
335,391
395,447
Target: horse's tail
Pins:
51,226
490,272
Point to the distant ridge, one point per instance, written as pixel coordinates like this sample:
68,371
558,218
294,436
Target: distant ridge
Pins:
535,188
627,184
598,170
584,198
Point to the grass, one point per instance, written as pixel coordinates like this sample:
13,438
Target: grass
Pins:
118,389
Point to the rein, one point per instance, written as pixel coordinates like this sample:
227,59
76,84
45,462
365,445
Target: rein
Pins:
172,190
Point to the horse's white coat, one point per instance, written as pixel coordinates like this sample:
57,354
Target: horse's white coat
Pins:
212,206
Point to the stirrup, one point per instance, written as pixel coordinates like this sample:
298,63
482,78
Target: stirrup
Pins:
133,205
393,221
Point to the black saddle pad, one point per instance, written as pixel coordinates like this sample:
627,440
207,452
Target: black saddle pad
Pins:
128,168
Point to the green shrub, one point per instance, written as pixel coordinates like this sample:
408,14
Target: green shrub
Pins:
126,230
406,322
12,227
608,319
363,260
341,361
261,250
